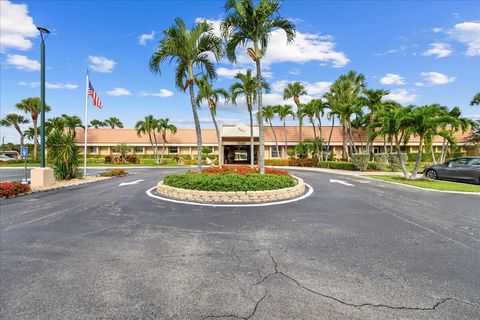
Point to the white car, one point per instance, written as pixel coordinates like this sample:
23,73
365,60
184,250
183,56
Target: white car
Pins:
4,158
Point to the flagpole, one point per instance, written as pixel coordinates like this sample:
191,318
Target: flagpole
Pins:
86,129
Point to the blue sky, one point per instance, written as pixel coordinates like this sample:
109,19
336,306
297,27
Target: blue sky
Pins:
423,52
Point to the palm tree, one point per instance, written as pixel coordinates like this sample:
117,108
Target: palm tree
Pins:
57,123
207,93
283,112
247,86
475,100
345,93
15,120
373,100
246,23
268,114
311,110
30,134
113,122
189,48
149,126
295,90
458,123
97,123
33,106
163,126
320,108
71,123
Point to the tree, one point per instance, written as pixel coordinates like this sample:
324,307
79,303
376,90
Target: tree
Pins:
344,93
247,86
54,123
283,112
33,107
63,153
98,123
475,100
246,23
149,126
113,122
15,120
207,93
295,90
268,115
373,101
311,110
164,125
71,123
189,48
124,149
30,134
320,107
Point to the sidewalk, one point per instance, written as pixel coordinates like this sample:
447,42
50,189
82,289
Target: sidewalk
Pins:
343,172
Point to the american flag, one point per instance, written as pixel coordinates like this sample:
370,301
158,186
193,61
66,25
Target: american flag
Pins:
95,99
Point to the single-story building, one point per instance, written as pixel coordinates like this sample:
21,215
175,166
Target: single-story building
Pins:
236,141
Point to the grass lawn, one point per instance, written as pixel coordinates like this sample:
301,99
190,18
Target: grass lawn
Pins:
437,184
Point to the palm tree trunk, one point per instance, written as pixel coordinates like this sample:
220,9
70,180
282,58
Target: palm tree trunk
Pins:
385,144
433,154
299,120
316,142
156,147
400,158
35,139
345,154
330,137
286,144
419,160
219,138
321,137
444,151
349,130
164,134
252,142
151,142
261,151
196,121
275,137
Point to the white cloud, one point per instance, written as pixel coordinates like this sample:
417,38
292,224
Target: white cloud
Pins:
16,26
48,85
401,96
315,89
434,78
229,73
117,92
437,30
392,78
419,84
469,34
162,93
144,38
294,71
22,62
101,64
306,47
438,49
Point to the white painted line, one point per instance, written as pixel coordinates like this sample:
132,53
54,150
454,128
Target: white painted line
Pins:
130,183
309,193
341,182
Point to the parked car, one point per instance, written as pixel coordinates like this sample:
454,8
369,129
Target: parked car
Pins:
465,169
4,158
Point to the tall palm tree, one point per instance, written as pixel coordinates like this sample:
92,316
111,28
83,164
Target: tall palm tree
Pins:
113,122
33,106
189,48
15,120
295,90
345,92
311,110
30,134
55,123
97,123
458,123
373,100
149,126
268,114
247,86
71,123
319,107
164,125
475,100
248,23
207,93
283,112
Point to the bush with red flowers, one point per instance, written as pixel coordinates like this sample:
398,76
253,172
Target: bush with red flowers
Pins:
242,170
13,188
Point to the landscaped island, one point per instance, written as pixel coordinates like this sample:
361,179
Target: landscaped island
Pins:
241,184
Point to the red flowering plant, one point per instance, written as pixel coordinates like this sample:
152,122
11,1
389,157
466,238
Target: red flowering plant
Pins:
242,170
13,188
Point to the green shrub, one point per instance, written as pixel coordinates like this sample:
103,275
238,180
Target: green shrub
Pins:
341,165
276,162
394,162
63,153
229,182
302,162
375,166
360,161
381,160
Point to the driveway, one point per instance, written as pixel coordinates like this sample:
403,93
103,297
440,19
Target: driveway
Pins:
367,250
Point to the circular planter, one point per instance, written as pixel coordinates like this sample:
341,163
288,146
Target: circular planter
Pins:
232,196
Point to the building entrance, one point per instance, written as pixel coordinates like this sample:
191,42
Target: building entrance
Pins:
238,154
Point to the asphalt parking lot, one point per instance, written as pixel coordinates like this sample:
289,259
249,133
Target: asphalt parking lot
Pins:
366,251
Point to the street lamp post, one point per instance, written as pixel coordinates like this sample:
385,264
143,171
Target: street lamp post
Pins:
43,31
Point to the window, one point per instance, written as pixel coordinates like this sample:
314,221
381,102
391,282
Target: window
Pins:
241,155
172,149
458,162
92,149
139,150
274,153
474,162
376,149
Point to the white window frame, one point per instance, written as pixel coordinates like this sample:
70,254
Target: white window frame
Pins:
170,150
273,152
141,152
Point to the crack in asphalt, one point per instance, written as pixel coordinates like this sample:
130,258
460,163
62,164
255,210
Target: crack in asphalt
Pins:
355,305
257,303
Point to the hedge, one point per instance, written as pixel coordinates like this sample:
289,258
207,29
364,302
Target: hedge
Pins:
341,165
381,160
229,182
360,161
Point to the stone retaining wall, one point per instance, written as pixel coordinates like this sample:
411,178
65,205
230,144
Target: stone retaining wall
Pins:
232,196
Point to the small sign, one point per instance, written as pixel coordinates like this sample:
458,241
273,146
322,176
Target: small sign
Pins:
24,152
